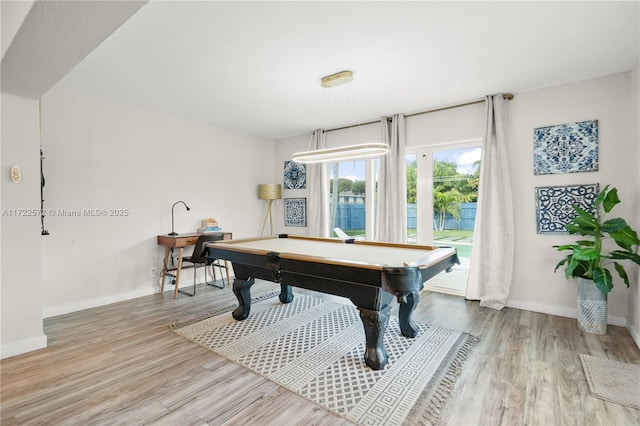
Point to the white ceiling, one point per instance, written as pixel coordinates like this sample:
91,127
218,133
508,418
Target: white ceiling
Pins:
256,66
43,40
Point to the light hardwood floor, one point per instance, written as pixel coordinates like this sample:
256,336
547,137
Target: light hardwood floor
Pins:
121,364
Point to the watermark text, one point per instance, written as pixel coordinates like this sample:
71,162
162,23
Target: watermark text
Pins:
88,212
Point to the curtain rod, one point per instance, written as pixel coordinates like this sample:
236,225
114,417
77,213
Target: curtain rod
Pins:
506,96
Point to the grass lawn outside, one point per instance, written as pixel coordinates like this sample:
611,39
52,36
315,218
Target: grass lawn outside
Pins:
453,235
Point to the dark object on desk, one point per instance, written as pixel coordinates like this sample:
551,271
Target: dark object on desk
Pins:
172,233
199,258
370,274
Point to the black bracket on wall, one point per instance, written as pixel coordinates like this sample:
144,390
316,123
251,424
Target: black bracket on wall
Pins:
42,215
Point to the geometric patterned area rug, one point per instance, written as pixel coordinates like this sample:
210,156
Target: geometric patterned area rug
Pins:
613,381
314,347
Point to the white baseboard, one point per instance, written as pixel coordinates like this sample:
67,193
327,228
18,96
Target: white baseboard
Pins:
635,334
23,346
560,311
54,311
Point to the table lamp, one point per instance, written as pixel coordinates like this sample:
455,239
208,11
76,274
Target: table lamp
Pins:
269,192
172,207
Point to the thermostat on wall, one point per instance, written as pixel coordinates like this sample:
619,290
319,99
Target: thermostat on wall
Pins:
16,174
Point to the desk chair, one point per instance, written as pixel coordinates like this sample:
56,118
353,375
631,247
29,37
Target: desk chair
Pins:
198,258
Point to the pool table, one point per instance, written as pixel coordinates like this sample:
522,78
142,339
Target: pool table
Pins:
370,274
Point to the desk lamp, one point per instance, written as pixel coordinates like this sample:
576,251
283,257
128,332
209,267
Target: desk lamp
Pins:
269,192
172,208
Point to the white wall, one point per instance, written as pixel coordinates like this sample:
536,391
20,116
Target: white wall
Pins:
283,151
448,126
535,286
633,317
21,291
101,154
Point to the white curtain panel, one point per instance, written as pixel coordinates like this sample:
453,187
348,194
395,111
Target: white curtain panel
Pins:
391,214
491,269
317,179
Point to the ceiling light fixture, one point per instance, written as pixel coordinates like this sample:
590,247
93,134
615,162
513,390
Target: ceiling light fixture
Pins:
337,79
351,152
333,155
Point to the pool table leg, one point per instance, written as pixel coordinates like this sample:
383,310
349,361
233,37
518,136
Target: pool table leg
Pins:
375,325
407,326
286,295
242,290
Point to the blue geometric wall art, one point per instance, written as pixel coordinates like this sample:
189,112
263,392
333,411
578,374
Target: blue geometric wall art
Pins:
566,148
295,212
295,175
554,205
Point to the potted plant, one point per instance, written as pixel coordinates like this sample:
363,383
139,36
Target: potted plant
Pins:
589,261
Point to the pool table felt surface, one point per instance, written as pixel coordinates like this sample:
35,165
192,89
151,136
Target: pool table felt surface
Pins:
364,254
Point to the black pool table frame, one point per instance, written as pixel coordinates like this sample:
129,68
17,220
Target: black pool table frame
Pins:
370,287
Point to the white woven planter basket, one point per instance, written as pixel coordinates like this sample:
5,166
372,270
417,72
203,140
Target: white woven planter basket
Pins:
592,308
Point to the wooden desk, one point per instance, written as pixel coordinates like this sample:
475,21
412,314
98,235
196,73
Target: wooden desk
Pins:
180,241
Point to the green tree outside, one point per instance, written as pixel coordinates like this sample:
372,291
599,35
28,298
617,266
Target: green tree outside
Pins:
344,185
358,187
450,188
412,179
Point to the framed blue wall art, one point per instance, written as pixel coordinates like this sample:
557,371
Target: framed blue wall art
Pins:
554,205
295,212
295,175
566,148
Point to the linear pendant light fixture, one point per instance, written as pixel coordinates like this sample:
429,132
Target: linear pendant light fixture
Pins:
333,155
337,79
351,152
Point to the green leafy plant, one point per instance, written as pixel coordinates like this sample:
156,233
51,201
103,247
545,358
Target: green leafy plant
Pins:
588,258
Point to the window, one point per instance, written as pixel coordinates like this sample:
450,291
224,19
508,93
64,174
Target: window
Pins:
348,201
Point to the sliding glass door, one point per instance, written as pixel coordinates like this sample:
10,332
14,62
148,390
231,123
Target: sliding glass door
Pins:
442,191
